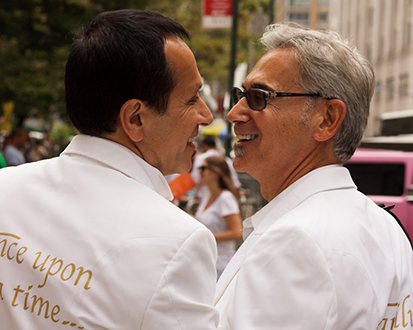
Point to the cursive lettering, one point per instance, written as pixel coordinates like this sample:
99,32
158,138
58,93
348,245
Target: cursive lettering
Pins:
9,248
406,317
55,266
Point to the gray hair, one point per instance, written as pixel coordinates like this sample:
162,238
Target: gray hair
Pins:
332,67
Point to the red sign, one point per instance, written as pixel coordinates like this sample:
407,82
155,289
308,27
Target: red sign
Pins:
217,14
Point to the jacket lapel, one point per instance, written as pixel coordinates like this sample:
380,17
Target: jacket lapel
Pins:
234,265
322,179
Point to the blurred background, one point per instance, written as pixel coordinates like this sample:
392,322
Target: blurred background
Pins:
35,37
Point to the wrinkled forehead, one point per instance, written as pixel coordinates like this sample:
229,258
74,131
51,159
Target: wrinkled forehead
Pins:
278,69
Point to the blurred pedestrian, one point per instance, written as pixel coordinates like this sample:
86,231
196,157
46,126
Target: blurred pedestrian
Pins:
219,208
14,150
37,150
208,148
94,241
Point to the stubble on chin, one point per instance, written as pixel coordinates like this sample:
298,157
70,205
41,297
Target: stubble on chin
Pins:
238,151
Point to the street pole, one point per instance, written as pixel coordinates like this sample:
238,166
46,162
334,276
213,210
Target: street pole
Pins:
271,14
232,64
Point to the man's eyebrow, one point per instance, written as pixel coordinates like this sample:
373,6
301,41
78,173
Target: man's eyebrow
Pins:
261,86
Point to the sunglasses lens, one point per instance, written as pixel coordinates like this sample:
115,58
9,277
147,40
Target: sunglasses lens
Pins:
236,94
256,99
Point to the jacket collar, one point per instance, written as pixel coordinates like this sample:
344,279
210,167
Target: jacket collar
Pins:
322,179
121,159
325,178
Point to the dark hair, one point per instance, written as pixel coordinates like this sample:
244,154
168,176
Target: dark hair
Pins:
209,140
18,131
117,57
218,164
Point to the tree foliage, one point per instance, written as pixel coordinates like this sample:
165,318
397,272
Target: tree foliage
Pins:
35,37
212,47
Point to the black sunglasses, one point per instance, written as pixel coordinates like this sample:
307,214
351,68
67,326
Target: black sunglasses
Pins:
202,168
257,98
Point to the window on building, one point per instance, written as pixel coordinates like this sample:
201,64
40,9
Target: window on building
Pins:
381,9
393,35
390,88
370,17
409,34
299,18
369,51
407,24
369,39
323,3
381,47
404,84
377,91
299,3
323,18
381,179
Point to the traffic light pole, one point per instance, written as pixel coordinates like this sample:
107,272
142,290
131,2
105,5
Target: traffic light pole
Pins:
232,64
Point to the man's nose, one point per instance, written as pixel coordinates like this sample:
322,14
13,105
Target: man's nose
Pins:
239,111
205,114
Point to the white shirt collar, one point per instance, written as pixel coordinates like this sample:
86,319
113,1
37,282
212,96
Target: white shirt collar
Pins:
119,158
321,179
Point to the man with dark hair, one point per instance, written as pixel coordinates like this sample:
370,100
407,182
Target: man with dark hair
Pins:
96,243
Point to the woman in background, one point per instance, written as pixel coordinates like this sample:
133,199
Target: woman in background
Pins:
219,208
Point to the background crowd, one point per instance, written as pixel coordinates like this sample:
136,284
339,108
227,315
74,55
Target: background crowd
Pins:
22,146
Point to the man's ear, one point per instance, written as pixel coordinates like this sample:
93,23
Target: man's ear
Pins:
130,118
329,119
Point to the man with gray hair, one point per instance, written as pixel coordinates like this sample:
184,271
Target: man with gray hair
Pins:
320,254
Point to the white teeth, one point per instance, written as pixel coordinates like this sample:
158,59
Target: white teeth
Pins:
247,137
191,140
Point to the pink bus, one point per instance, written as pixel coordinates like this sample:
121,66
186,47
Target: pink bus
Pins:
386,176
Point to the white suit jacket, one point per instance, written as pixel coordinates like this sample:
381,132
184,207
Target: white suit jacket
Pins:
321,256
88,240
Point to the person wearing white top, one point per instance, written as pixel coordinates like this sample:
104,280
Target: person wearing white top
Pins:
320,254
219,208
208,148
94,241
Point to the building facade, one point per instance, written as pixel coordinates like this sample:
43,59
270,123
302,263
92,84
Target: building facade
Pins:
312,13
383,31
